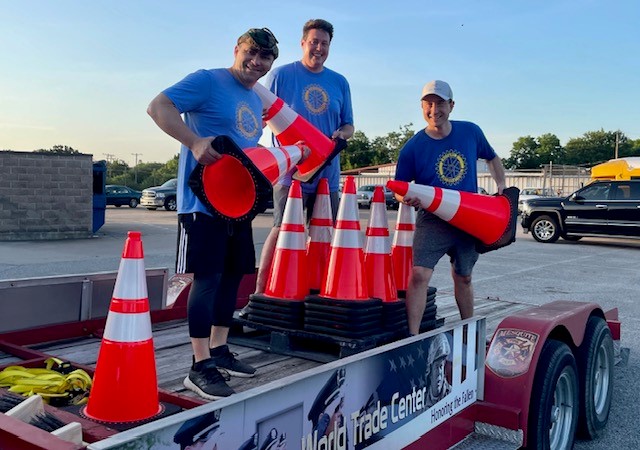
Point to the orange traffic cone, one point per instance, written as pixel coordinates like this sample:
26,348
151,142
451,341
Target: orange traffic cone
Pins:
249,174
125,388
377,251
489,218
289,127
320,233
345,277
289,276
402,246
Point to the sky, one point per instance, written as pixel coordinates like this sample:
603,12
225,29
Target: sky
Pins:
81,73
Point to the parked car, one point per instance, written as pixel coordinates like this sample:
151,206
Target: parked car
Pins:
533,192
602,208
364,195
122,195
163,196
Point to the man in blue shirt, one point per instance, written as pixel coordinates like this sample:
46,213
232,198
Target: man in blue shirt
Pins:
321,96
214,102
444,154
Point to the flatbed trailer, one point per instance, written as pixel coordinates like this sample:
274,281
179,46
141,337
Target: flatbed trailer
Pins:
503,370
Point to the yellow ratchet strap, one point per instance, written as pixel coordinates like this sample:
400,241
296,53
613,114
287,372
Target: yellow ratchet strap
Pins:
57,380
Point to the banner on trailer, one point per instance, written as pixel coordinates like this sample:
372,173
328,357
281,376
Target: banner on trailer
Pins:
383,398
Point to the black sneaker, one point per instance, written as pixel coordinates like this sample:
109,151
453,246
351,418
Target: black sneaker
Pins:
226,360
207,381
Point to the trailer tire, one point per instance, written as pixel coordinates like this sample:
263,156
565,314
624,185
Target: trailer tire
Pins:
595,362
553,413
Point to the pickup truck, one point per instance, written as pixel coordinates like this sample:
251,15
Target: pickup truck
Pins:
163,196
602,208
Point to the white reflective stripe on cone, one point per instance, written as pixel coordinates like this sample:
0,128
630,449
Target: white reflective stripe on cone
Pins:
282,120
406,214
449,205
291,240
128,327
348,212
378,216
403,238
347,239
378,245
131,281
320,233
286,157
293,211
426,194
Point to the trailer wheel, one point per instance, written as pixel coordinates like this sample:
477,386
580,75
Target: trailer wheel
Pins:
595,361
553,413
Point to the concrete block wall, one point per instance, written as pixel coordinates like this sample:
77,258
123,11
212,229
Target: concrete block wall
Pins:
45,196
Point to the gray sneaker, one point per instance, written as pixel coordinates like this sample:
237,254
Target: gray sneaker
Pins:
207,381
226,360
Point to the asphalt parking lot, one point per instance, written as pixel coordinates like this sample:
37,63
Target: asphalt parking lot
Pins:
598,270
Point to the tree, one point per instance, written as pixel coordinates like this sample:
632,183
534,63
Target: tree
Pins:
357,153
594,147
550,150
59,150
524,154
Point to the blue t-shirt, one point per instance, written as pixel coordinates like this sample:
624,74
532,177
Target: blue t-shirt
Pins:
448,163
213,103
324,99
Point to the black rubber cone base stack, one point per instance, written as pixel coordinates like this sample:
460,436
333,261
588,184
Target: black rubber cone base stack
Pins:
274,311
350,319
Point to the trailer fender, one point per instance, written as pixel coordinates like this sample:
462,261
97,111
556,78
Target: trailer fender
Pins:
516,346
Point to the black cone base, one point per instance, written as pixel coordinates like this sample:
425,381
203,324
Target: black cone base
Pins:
509,235
345,318
274,311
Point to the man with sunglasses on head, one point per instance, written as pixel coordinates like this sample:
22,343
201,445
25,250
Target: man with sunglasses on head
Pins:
323,97
217,252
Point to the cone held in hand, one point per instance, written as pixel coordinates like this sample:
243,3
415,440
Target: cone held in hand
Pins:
488,218
289,127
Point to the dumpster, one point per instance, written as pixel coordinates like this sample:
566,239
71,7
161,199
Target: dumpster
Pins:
99,195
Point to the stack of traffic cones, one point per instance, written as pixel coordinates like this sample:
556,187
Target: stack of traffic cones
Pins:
125,388
249,174
288,282
402,247
289,127
344,306
320,233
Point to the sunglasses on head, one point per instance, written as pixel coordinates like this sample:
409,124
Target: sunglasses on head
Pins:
263,37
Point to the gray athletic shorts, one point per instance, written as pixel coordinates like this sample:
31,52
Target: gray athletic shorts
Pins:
280,194
434,238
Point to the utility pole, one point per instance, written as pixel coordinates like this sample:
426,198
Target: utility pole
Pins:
109,157
617,140
135,167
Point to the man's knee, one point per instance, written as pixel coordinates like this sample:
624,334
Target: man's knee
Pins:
420,275
463,280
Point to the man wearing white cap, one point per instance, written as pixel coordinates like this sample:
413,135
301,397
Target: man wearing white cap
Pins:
443,154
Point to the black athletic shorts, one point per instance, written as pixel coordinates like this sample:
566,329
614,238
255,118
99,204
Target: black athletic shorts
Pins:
208,245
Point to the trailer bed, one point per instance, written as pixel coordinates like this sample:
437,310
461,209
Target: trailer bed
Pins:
173,349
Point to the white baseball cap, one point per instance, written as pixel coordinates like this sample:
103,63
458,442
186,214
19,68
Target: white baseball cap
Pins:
439,88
